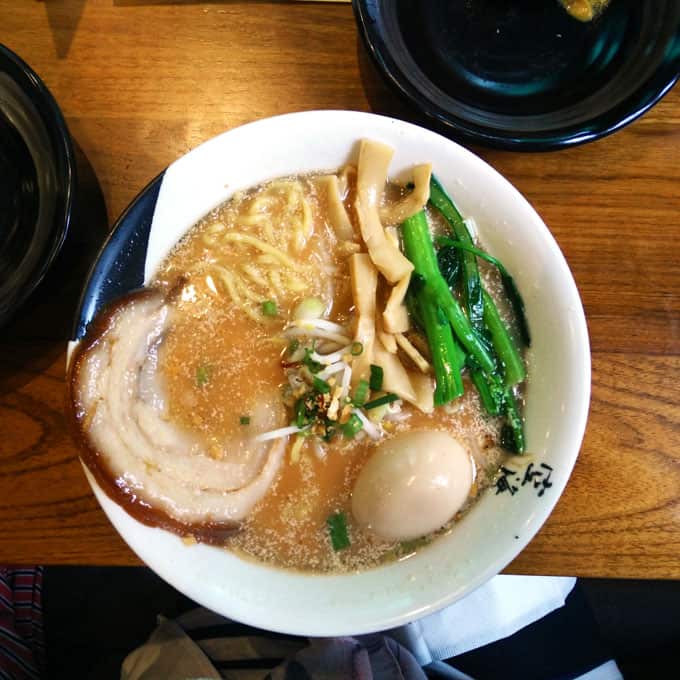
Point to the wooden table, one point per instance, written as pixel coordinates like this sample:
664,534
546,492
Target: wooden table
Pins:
143,81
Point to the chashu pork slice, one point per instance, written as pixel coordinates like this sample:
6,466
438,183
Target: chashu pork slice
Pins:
162,474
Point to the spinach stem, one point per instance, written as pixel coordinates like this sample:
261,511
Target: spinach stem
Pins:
419,249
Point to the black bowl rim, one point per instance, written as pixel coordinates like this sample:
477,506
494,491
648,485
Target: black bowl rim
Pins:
64,157
645,97
132,229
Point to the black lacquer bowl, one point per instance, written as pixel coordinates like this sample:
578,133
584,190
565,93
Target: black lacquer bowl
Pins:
37,179
523,74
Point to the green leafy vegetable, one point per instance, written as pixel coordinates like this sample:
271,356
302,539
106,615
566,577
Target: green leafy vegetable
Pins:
490,390
513,366
337,531
439,313
508,282
515,423
420,250
470,281
493,386
449,265
448,358
472,284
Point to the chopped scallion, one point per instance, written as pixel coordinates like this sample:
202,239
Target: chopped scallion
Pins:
356,349
202,375
294,344
321,385
244,420
376,379
309,308
361,393
313,366
301,415
380,401
352,426
337,530
269,308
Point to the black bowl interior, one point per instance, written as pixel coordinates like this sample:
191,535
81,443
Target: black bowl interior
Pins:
523,73
37,171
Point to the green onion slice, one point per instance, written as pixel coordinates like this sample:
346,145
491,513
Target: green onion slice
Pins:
269,308
313,366
321,385
337,530
361,393
376,379
380,401
301,414
356,349
352,426
202,376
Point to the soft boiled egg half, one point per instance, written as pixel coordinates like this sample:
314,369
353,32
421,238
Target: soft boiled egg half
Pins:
412,485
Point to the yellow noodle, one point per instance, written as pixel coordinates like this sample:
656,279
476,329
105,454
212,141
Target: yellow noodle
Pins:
268,260
263,246
299,239
307,224
255,316
210,282
211,239
246,290
254,274
230,284
228,281
275,278
295,283
261,203
251,220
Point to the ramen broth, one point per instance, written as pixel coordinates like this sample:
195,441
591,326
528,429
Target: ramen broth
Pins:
223,358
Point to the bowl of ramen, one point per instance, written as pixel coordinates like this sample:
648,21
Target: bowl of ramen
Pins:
524,75
330,373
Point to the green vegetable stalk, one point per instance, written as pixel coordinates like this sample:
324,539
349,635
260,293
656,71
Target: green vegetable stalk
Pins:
472,284
513,366
447,357
508,282
495,392
420,251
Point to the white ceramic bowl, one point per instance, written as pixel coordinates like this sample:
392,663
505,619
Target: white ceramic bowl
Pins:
500,525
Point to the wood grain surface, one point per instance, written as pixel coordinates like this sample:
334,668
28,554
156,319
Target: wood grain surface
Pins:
142,82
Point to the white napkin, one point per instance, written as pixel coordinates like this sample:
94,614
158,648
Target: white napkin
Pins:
497,609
